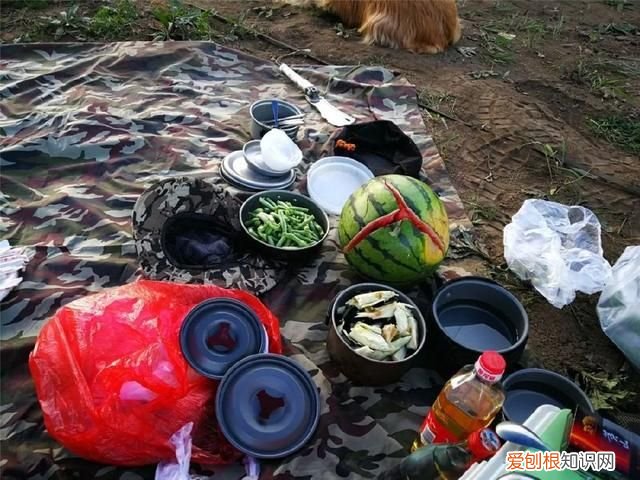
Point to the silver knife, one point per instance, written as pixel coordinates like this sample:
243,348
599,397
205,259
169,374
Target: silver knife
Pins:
330,113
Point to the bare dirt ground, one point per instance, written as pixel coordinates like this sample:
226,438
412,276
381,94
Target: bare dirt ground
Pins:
545,103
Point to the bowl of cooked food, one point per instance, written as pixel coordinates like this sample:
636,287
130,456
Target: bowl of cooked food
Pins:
284,225
375,333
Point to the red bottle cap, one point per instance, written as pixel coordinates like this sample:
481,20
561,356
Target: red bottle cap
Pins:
483,444
490,366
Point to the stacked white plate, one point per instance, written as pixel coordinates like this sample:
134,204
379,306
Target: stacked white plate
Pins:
238,172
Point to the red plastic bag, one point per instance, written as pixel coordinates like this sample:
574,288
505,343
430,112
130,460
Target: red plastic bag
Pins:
113,383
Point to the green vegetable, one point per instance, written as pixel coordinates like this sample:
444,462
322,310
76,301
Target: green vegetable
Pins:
283,224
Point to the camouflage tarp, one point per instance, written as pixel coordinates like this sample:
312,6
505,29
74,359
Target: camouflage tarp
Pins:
84,129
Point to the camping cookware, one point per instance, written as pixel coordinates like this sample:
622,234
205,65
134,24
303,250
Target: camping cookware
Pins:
361,369
471,315
284,253
526,390
253,156
219,332
262,119
267,406
329,112
236,170
332,180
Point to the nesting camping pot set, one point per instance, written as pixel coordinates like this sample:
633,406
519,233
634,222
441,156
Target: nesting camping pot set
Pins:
267,406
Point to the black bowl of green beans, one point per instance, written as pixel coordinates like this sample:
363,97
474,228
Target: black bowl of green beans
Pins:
284,224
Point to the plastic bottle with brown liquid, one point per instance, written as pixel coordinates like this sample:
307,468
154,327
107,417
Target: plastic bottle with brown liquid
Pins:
468,402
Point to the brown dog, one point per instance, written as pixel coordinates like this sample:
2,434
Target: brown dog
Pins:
421,26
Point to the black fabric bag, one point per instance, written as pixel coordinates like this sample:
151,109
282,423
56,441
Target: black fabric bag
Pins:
381,146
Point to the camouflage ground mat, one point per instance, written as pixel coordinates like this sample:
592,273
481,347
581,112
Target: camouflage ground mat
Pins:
84,129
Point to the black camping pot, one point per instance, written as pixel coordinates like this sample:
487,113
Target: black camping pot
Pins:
219,332
530,388
267,406
363,370
470,315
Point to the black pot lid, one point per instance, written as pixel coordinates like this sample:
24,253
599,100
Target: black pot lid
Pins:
236,168
267,406
217,333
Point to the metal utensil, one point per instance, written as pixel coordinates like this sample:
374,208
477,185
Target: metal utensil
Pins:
330,113
521,435
286,118
285,123
274,109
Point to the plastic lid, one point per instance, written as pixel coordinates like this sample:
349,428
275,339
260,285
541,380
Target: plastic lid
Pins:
267,406
490,366
217,333
331,181
483,444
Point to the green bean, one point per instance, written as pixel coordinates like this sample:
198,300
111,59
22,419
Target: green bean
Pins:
267,202
283,224
311,234
283,221
297,240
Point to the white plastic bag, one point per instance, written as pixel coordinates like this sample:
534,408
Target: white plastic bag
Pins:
558,249
181,440
619,305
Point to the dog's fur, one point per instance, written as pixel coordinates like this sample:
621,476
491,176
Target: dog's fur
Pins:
421,26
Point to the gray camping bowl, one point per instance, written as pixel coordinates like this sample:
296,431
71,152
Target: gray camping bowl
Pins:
528,389
261,112
471,315
360,369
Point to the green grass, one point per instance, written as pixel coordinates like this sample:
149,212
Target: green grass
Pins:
181,22
499,37
498,50
621,131
605,391
618,29
602,78
68,23
529,31
480,212
441,101
33,4
619,5
117,21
